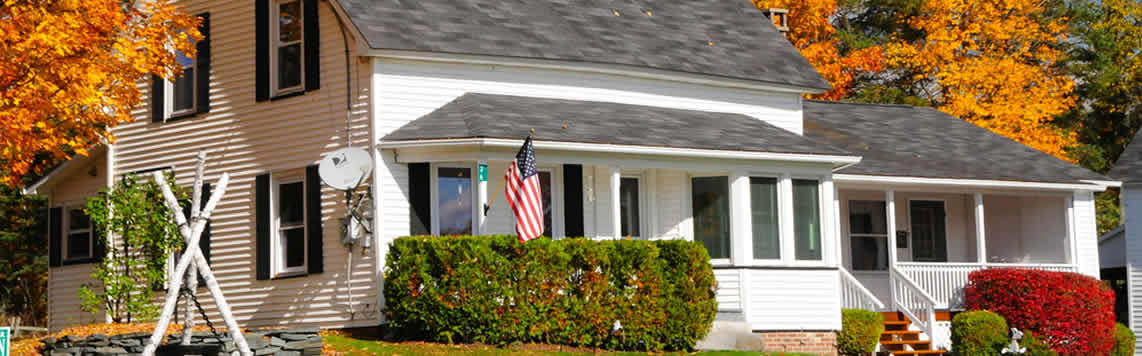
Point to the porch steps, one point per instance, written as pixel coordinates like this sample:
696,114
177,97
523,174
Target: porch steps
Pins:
897,340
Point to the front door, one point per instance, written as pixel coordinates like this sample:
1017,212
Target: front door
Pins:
929,231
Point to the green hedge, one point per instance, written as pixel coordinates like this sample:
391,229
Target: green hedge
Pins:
1036,346
860,331
1123,341
495,290
979,333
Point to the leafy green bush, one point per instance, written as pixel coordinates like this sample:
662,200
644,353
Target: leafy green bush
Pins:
496,290
1123,341
860,331
979,333
1035,346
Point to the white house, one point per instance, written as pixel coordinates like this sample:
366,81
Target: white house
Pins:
1123,246
653,120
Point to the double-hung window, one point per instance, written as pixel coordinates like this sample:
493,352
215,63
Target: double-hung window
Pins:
765,218
290,244
807,219
287,58
630,222
868,235
710,209
79,243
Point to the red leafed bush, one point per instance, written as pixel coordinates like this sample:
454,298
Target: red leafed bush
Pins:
1073,313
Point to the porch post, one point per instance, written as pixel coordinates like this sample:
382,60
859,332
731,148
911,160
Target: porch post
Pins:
616,208
980,231
741,227
481,201
890,206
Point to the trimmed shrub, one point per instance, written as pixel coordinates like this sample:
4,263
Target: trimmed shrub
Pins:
1072,313
860,331
1123,341
1035,346
496,290
978,333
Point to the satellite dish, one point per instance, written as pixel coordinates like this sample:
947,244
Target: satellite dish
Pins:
346,168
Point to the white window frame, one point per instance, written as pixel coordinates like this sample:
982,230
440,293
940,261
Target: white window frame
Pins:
888,243
791,220
169,94
688,211
781,216
557,228
66,239
275,44
277,262
642,205
435,193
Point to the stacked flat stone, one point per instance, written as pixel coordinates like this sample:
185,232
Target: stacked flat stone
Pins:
302,341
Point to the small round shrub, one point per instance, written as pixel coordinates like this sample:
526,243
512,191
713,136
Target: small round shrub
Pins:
978,333
1123,341
860,331
1035,346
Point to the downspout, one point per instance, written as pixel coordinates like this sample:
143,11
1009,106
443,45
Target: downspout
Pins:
348,143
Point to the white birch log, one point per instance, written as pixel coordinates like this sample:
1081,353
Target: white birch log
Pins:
192,274
193,254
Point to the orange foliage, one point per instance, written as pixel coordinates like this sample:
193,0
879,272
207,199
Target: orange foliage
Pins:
69,68
32,346
812,33
991,63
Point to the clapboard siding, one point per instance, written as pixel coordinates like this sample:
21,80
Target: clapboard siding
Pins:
246,138
1086,234
729,294
64,282
1132,204
793,299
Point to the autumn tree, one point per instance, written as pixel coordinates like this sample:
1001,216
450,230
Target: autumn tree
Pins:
992,63
69,68
811,31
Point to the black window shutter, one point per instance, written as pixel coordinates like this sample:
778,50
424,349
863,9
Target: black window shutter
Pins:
573,200
420,206
262,225
313,220
99,244
55,236
204,239
312,45
202,66
262,51
158,98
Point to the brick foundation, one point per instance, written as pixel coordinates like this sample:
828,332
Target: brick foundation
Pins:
813,342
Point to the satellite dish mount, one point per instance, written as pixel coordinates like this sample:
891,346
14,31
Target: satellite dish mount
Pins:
346,169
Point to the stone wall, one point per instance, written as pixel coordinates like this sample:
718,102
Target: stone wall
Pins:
813,342
302,341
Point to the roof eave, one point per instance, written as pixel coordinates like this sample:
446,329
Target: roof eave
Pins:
834,159
1091,186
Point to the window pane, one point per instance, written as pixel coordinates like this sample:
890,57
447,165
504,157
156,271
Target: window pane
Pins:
294,244
870,253
710,205
291,208
78,219
289,21
628,207
184,90
766,232
545,192
289,66
806,219
455,209
867,217
78,245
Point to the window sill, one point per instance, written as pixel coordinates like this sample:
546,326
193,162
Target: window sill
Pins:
182,116
289,275
291,94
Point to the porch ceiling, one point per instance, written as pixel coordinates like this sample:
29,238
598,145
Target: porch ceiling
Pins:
511,117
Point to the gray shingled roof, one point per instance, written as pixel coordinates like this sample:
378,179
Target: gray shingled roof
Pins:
900,140
1128,168
499,116
676,35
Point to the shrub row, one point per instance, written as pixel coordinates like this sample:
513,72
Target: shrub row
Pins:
630,295
1072,313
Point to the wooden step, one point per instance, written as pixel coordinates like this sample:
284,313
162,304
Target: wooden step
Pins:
918,353
896,325
903,344
896,335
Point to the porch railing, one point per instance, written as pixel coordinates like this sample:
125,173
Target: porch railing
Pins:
913,301
855,296
945,281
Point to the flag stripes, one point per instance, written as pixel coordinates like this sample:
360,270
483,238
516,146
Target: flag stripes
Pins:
524,195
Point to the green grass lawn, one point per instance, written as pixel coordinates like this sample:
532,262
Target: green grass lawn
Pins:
350,346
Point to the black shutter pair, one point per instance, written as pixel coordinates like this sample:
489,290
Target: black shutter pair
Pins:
263,218
420,200
311,43
55,241
202,77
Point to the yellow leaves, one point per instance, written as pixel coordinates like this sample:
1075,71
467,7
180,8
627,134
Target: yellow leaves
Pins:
63,62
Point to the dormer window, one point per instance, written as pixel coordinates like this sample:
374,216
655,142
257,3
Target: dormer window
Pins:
780,18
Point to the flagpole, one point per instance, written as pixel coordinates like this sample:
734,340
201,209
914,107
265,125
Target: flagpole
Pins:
488,205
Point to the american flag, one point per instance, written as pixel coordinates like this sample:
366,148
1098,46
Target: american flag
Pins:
524,194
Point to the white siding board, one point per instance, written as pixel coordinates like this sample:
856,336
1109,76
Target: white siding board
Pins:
1086,234
728,294
793,299
1132,213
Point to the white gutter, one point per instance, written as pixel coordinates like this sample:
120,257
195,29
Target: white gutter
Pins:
625,149
975,183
